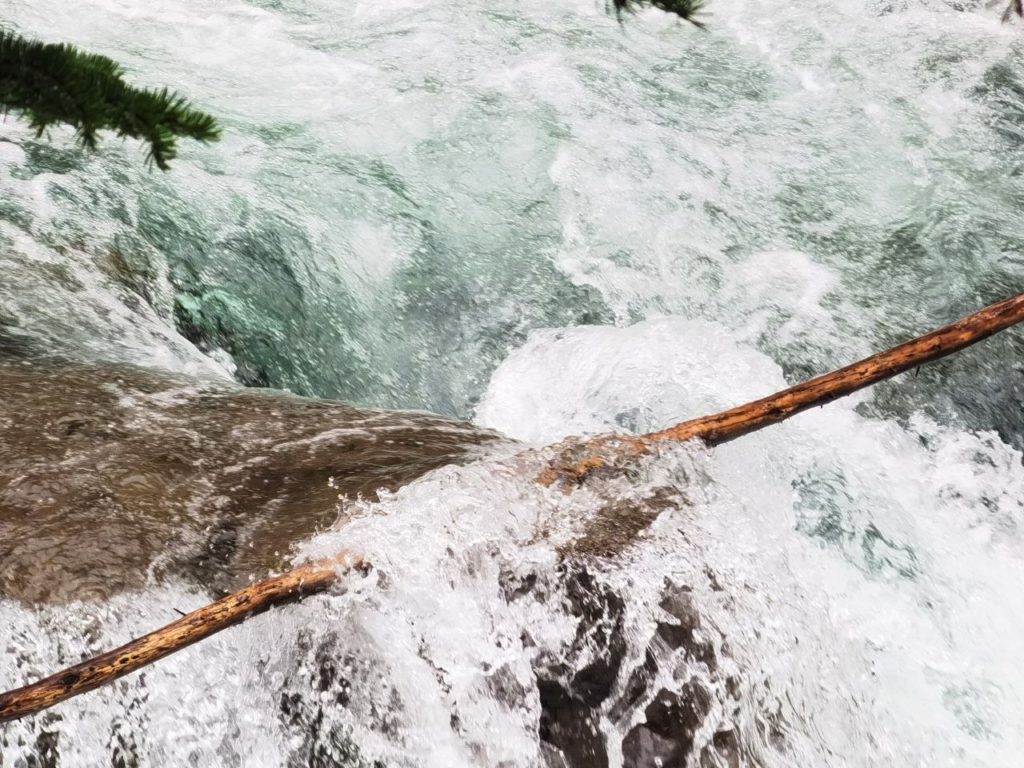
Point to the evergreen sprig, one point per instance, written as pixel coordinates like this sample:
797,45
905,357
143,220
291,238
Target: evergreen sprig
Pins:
50,83
684,9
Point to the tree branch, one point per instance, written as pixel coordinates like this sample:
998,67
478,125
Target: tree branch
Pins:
191,628
578,461
50,83
575,465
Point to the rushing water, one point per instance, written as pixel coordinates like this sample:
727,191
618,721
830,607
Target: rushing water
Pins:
528,216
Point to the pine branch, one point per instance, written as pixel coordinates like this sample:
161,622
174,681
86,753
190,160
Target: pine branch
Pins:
49,84
684,9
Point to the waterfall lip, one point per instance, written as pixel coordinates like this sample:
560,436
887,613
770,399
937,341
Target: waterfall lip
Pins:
572,695
184,476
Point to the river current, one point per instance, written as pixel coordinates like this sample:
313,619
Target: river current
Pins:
527,217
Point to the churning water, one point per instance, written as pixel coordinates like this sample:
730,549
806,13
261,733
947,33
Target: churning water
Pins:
524,214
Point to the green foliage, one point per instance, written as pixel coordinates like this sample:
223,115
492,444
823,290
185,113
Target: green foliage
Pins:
48,84
684,9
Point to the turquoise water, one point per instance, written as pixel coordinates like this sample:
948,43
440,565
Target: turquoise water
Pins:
532,217
403,193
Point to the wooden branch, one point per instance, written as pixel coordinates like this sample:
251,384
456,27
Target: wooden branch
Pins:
736,422
191,628
575,464
580,460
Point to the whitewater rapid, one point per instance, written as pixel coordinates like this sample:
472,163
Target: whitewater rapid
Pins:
856,576
539,220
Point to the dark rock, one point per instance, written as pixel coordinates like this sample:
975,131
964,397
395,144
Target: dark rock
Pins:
666,739
583,700
574,687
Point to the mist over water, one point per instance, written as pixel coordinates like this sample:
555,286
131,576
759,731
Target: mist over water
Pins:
534,218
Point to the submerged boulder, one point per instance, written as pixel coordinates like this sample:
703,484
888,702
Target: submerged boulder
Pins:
673,706
111,474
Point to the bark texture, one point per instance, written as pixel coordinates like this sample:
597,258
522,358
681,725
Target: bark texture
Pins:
191,628
580,460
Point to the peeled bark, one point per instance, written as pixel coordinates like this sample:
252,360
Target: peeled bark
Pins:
191,628
575,465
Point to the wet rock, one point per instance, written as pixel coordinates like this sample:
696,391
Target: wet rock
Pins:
620,522
587,694
110,475
319,711
570,727
666,738
574,687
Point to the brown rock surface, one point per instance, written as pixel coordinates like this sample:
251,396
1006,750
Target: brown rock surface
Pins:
112,474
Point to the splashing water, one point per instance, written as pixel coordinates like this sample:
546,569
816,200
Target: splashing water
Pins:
533,217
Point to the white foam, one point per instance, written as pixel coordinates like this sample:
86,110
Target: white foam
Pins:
640,378
879,561
706,187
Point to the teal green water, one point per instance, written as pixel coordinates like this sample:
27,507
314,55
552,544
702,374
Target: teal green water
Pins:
403,193
552,224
